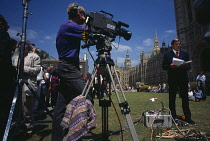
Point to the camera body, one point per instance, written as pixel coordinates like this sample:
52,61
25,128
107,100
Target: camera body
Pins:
103,24
102,30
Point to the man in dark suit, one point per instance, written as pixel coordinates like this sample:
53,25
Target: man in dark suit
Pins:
177,79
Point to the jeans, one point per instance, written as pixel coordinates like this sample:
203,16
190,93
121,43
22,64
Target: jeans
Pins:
36,103
71,85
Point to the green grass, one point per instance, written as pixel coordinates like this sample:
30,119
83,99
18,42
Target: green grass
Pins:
137,103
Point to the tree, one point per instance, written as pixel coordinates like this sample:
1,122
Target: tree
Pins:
43,54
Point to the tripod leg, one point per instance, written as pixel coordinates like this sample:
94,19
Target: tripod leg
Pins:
105,131
123,105
88,85
9,121
37,97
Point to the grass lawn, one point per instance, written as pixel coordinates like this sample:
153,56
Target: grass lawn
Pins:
137,103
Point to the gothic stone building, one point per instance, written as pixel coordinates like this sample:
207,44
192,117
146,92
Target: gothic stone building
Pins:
191,34
149,70
124,72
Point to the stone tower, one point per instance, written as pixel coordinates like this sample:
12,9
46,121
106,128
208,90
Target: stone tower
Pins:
127,62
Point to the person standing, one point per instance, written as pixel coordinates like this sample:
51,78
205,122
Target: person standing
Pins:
54,87
163,87
39,79
201,78
47,76
177,79
32,68
6,74
68,42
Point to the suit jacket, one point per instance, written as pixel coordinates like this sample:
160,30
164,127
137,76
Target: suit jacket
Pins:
175,74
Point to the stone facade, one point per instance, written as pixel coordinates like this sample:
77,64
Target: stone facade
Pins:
124,72
52,62
191,34
149,70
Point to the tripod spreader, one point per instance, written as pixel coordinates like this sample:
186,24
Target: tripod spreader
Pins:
124,108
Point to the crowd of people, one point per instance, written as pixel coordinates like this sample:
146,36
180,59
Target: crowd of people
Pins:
161,88
44,82
200,91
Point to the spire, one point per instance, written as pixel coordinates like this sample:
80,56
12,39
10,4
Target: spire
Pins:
127,55
127,62
156,48
156,42
116,63
163,43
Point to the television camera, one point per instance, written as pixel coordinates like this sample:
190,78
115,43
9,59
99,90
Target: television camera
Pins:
102,30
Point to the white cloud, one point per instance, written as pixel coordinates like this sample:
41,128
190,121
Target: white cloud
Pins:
31,34
170,31
120,60
13,32
148,42
48,37
140,48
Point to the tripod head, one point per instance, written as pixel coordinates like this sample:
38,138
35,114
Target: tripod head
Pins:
104,47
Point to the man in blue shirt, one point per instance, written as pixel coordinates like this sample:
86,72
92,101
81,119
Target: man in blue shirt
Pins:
68,46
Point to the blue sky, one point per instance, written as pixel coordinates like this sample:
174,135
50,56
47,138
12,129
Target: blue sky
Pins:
144,17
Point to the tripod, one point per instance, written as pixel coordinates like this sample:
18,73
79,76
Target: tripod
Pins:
104,59
17,99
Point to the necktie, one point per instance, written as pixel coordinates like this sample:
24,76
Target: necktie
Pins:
177,54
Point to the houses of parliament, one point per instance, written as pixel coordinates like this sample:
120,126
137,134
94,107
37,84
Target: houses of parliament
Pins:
191,34
149,70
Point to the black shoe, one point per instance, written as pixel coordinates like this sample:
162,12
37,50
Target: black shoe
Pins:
190,121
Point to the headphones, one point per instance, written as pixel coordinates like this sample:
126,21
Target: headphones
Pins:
74,10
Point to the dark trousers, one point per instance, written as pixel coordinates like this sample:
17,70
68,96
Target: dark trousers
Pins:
71,85
183,90
54,96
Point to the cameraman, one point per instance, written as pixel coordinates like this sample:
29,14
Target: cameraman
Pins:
68,46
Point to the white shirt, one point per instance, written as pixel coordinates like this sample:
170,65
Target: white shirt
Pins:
40,75
175,52
201,78
190,93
